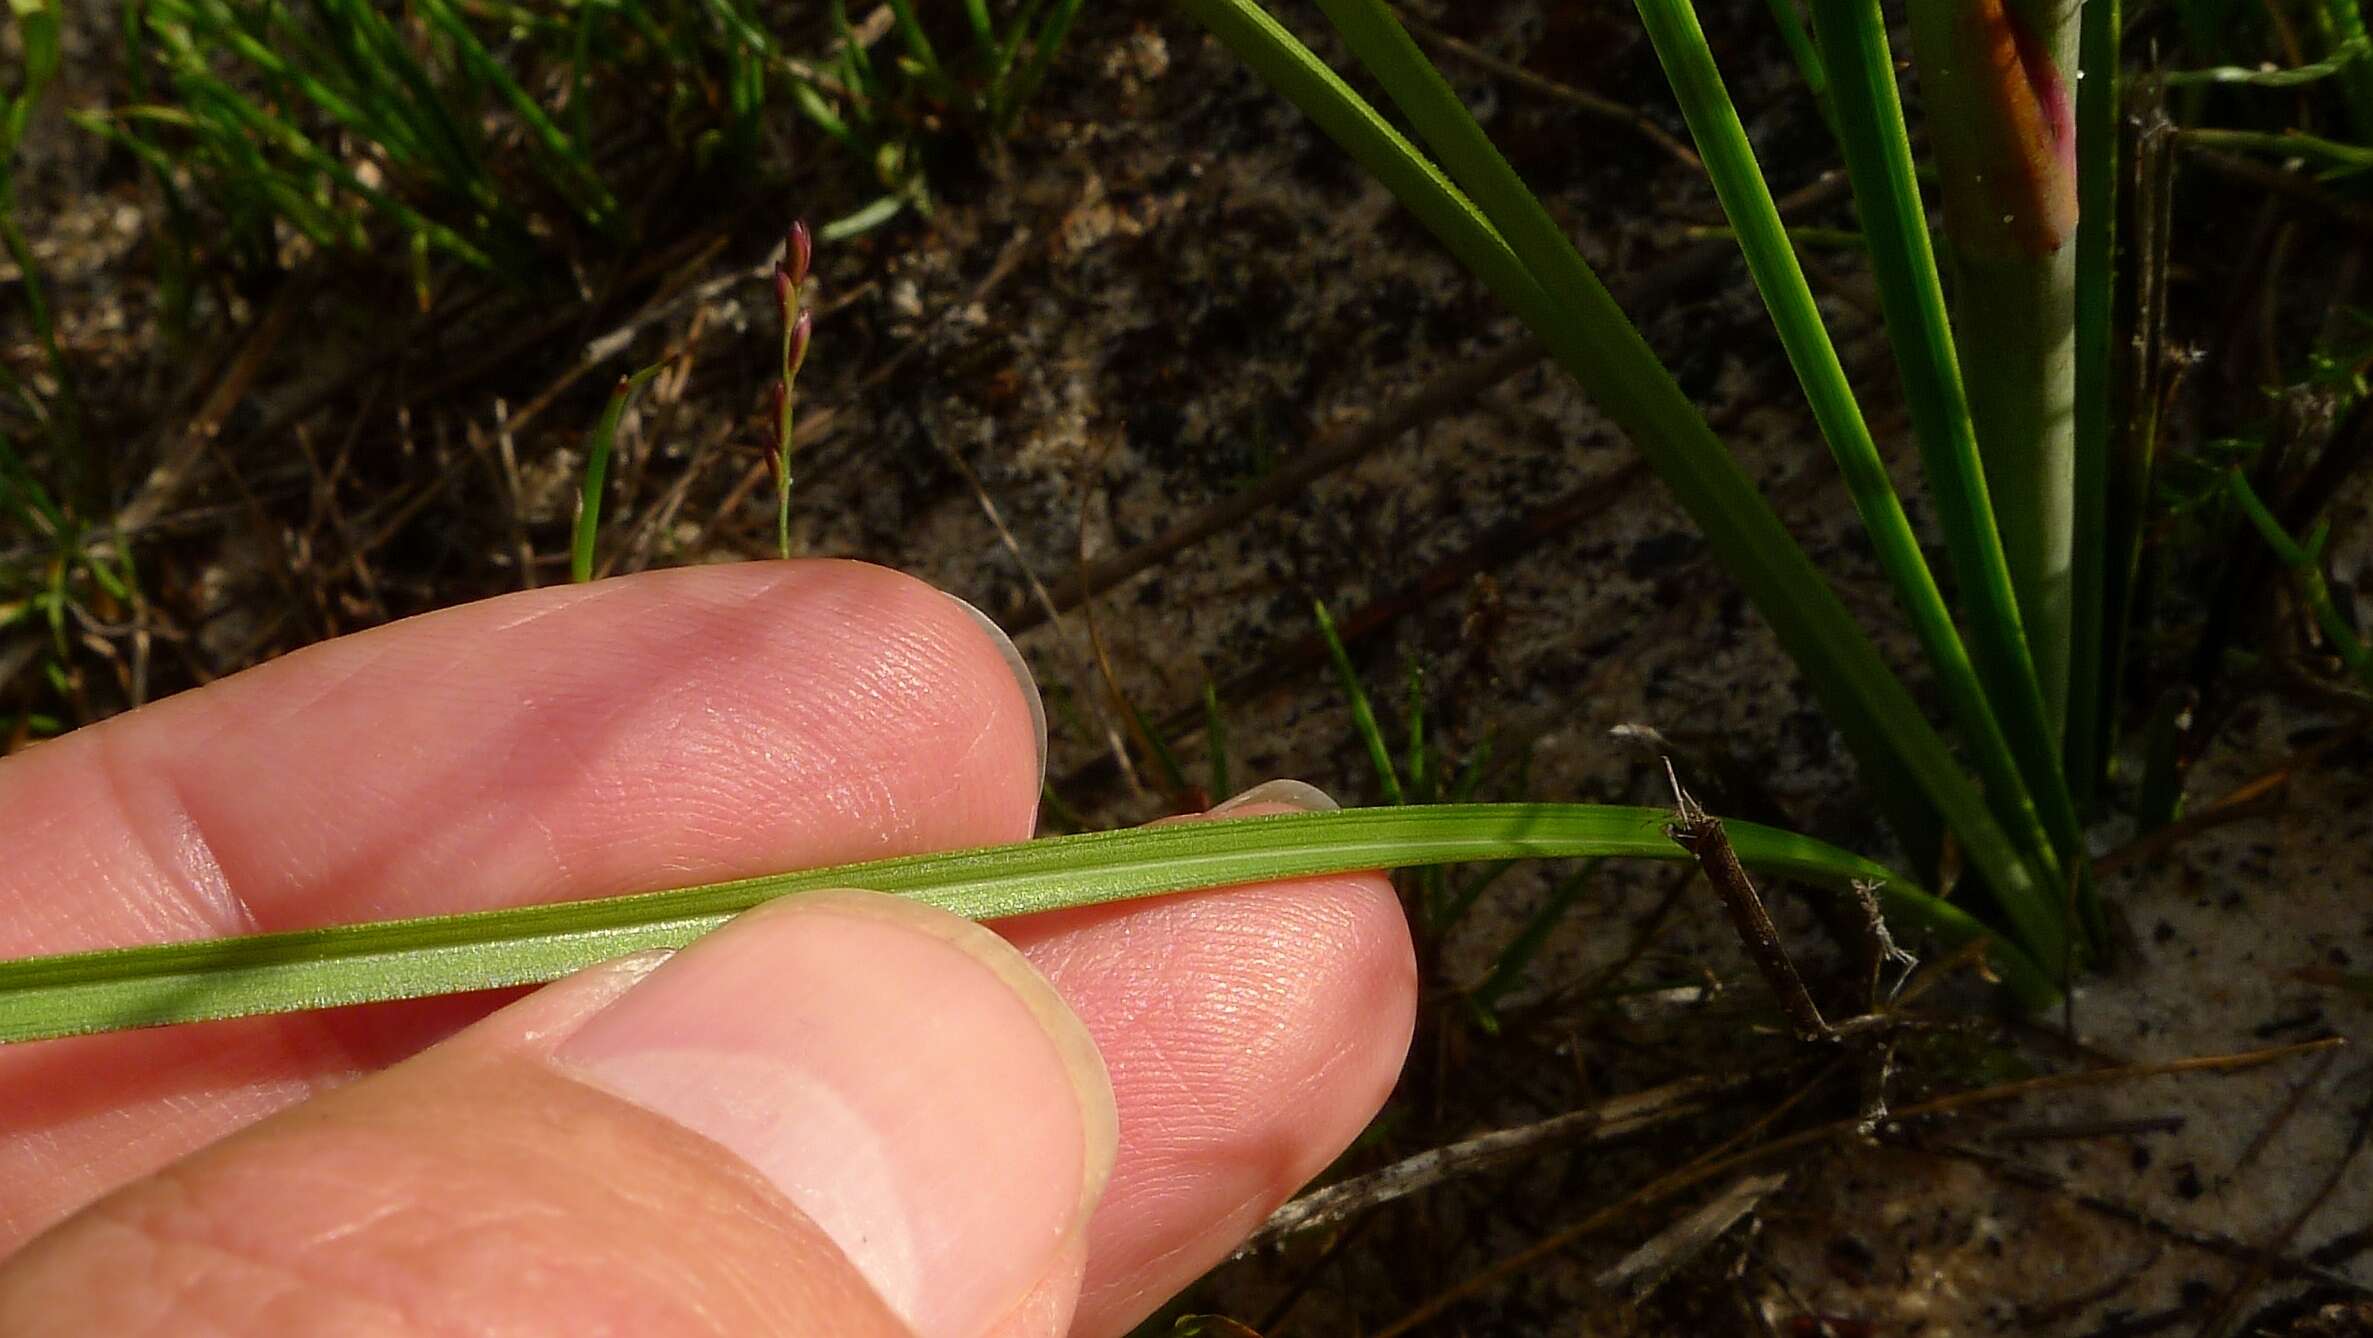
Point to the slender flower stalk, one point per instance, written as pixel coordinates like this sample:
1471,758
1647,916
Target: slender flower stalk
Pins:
790,278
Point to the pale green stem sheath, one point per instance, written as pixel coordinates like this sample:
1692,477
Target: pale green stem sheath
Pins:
2090,690
2023,398
80,993
2002,118
1895,226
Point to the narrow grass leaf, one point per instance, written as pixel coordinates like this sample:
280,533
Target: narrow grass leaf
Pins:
1507,970
569,166
598,444
918,46
1807,57
2307,574
1747,200
111,989
1906,766
1878,158
1043,46
1215,741
2294,76
1363,714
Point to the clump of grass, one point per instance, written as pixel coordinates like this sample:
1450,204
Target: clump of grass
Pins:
60,572
60,578
466,136
889,110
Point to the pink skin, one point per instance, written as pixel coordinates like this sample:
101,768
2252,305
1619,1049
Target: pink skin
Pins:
675,728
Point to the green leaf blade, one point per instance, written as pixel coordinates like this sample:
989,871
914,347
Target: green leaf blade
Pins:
82,993
1507,238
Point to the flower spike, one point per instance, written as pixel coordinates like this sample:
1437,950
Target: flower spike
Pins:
799,325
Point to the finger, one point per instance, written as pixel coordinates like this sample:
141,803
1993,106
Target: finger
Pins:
1251,1034
911,1139
658,730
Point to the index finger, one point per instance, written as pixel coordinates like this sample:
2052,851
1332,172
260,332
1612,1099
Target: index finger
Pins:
674,728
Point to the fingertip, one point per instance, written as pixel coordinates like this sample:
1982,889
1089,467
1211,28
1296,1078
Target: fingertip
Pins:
1025,681
920,1092
650,731
1251,1034
841,1113
667,728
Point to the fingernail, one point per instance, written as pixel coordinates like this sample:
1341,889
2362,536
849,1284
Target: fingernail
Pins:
901,1075
1292,793
1021,674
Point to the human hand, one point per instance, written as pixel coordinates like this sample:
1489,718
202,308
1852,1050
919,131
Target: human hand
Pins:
840,1114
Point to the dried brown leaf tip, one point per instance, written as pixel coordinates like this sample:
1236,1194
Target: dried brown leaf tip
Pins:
1700,833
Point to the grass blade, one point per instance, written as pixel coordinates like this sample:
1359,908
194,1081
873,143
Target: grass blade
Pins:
1363,714
269,129
2343,25
80,993
1215,741
1746,199
594,198
918,49
1007,49
1895,225
1906,765
1507,970
38,25
597,471
1807,57
2342,57
2307,575
1044,44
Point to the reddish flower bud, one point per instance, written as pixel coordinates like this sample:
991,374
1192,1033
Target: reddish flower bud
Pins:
798,247
801,328
786,293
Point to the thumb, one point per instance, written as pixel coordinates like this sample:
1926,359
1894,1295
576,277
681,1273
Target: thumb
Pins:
844,1113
